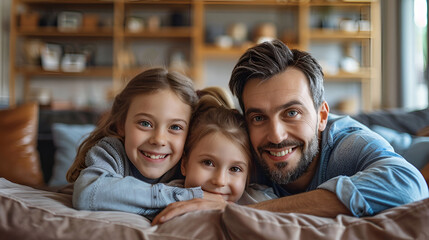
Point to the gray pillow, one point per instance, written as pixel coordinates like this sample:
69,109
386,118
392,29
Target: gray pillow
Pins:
67,139
414,149
397,119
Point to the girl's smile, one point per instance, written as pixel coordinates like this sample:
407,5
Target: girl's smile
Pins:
154,156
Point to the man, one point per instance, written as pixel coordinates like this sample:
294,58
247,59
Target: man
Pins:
317,163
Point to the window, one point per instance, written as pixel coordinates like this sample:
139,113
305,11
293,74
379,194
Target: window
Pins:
420,54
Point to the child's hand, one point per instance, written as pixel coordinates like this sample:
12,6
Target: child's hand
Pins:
178,208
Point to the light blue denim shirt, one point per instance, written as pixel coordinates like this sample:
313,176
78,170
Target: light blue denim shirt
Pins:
363,170
111,182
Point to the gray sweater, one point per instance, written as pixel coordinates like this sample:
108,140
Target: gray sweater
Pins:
111,182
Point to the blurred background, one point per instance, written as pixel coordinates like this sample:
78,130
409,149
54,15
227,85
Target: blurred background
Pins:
78,54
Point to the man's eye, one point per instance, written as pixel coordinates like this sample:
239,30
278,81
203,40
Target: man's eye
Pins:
292,113
235,169
258,118
145,124
176,127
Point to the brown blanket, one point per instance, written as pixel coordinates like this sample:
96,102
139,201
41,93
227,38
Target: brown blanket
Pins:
29,213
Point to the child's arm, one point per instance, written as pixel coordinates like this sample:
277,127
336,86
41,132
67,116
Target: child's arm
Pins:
255,193
106,184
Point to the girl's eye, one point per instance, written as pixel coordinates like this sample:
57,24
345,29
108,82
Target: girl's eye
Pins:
235,169
208,163
176,127
145,124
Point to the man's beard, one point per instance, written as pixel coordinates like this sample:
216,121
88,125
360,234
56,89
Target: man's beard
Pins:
278,174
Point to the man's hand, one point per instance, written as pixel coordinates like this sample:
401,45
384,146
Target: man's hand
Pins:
213,197
213,201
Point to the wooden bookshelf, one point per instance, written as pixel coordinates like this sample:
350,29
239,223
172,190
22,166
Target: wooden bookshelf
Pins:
191,36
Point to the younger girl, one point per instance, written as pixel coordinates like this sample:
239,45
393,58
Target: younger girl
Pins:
217,151
137,146
217,157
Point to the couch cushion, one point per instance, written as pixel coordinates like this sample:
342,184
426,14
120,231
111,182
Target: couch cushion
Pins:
424,131
404,222
67,138
425,173
19,159
39,214
28,213
398,119
414,149
47,118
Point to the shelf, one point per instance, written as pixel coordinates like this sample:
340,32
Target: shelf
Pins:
74,2
250,2
362,3
133,71
189,35
164,32
89,72
215,51
220,52
157,2
361,75
336,34
54,32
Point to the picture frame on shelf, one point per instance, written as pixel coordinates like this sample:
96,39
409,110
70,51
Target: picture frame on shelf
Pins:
69,21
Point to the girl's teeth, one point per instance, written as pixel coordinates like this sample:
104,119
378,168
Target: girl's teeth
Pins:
154,156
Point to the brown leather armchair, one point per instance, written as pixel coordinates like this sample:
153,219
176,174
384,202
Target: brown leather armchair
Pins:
19,158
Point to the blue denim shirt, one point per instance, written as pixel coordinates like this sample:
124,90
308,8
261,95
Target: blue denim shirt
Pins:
111,182
363,170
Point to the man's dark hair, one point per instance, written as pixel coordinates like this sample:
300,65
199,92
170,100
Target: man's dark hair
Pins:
270,58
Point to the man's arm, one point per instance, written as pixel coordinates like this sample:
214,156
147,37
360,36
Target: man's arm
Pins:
318,202
366,175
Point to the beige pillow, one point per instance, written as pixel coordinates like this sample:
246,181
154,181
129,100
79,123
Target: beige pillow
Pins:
28,213
404,222
19,158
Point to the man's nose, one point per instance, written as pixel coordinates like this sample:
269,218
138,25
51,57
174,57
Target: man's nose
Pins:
277,132
158,137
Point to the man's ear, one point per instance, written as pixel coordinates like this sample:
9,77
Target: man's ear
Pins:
182,165
323,115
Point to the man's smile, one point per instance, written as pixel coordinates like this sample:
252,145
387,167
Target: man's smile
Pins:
280,153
